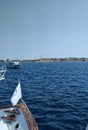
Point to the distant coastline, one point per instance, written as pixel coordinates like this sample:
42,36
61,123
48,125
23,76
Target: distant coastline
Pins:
70,59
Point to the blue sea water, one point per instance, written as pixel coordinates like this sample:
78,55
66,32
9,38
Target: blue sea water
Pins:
56,93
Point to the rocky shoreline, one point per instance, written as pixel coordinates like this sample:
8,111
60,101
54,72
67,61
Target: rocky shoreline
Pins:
70,59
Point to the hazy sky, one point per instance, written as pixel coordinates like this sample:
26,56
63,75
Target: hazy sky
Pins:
32,29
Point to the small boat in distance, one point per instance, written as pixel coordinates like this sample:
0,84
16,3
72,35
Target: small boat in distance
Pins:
13,64
2,72
17,116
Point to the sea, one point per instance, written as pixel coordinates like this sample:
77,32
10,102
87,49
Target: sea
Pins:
55,92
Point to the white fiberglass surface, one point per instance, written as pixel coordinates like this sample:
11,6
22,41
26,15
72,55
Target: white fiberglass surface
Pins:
3,126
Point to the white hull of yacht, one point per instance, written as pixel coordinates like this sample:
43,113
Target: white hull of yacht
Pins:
2,73
2,78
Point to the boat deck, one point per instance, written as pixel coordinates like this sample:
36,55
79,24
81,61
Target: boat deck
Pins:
18,115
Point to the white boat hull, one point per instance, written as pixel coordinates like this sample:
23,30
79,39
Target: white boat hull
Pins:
2,78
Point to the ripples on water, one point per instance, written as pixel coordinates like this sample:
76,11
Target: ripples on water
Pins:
56,93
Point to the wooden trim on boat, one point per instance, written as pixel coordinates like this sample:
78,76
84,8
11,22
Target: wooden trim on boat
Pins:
32,125
11,117
14,111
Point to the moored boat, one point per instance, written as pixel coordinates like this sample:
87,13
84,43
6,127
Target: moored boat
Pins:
13,64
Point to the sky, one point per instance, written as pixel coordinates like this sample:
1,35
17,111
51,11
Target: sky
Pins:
31,29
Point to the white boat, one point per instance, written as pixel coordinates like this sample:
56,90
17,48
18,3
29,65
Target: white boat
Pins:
2,72
87,127
13,64
17,116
